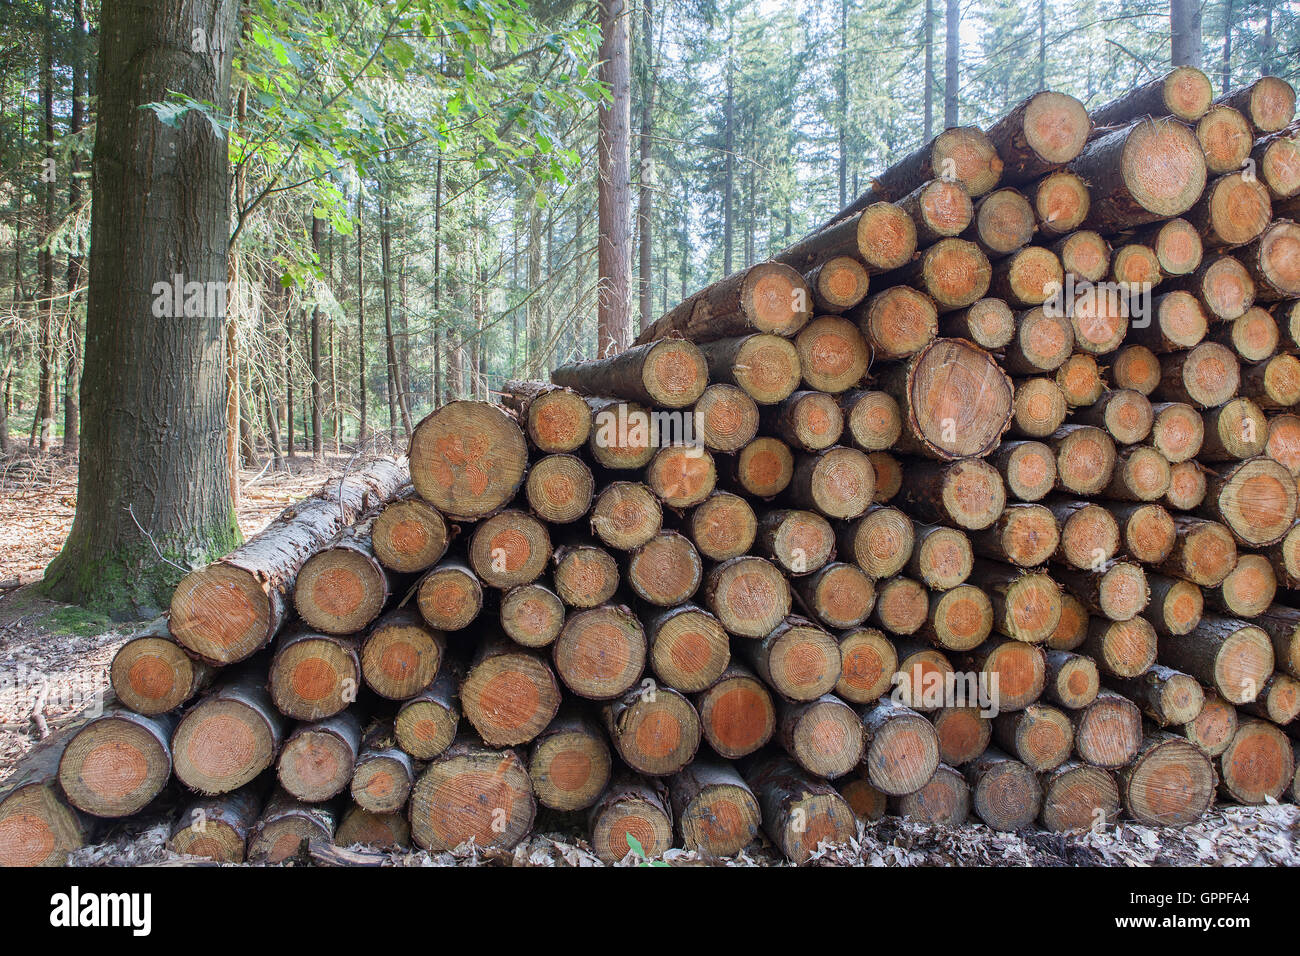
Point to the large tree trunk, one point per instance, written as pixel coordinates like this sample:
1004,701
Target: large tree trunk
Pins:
153,483
1185,32
951,79
613,324
76,260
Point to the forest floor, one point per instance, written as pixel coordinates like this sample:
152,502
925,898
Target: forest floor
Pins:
54,661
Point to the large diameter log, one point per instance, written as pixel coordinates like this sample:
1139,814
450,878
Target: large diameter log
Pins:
231,608
833,355
967,493
409,535
229,737
472,792
1165,695
1004,792
313,676
727,418
1259,764
426,724
1040,736
1078,797
943,801
509,548
655,730
317,759
1269,103
343,587
600,653
768,297
569,762
217,828
715,812
879,234
1183,92
964,733
748,595
449,596
797,659
381,831
1108,732
560,488
401,655
116,763
868,663
1214,727
670,373
1234,657
384,773
688,648
287,825
1256,499
902,748
737,714
509,693
1169,782
799,812
468,459
666,570
723,526
585,576
152,673
626,515
531,615
824,736
556,420
1153,169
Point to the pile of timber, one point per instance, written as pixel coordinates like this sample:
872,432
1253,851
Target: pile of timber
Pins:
977,504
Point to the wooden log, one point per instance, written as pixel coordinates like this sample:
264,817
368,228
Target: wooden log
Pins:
1084,254
1277,163
655,731
1125,414
767,297
1026,605
833,355
879,234
1028,277
880,542
1072,679
748,595
988,322
1078,797
964,734
953,272
626,515
317,759
1148,531
1099,318
1169,783
1121,648
1235,430
1175,242
901,606
1072,630
727,418
600,653
1141,474
1085,458
925,680
426,724
1283,443
401,655
1024,535
1165,695
961,153
800,813
1004,792
715,812
1040,736
585,576
560,488
838,595
737,714
117,762
472,792
1177,431
943,801
510,548
941,557
1214,727
723,526
1089,533
1278,701
1282,625
1013,672
313,676
837,284
1248,590
799,542
1175,607
897,322
940,208
1224,288
509,693
450,596
1225,138
889,476
622,434
556,420
764,467
1061,202
409,535
1183,92
1255,498
1233,210
872,419
824,736
569,761
1269,103
468,459
286,826
902,748
384,773
342,587
1135,266
382,831
38,827
226,611
1079,379
238,708
1253,336
1003,222
797,659
1115,589
967,493
1285,558
1136,367
1232,656
531,615
868,662
666,570
1108,732
217,828
1259,764
1038,409
632,816
669,372
688,648
152,673
807,420
1152,169
1043,341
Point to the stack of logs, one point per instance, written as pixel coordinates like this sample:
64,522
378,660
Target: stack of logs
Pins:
980,502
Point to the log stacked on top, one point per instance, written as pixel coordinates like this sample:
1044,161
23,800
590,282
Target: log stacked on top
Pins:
913,518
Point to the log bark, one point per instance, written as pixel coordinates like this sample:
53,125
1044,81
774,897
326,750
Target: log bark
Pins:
768,297
670,373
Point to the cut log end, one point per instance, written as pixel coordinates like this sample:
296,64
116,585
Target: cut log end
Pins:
626,515
600,653
467,459
727,418
472,792
409,536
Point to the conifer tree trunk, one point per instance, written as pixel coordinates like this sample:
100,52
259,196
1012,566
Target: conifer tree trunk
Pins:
951,64
1185,32
613,320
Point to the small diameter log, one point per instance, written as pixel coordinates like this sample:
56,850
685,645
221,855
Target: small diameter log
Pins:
1184,92
1084,255
737,714
715,812
1028,469
1089,533
426,724
1026,605
1038,410
1152,169
1125,414
889,476
1248,590
833,355
824,736
837,284
723,526
1233,210
1004,792
940,208
1141,474
727,418
401,655
237,709
901,606
656,731
963,153
313,676
1177,431
1121,648
152,673
1235,430
808,421
1175,242
1024,535
1277,162
1222,285
868,662
556,420
670,373
1234,657
1042,342
1116,589
1165,695
229,609
1136,367
958,619
1078,797
898,322
317,759
799,542
1099,318
1214,727
1259,764
287,825
1148,531
941,557
1282,625
569,762
1268,103
409,535
748,595
943,801
622,435
1253,336
468,459
1278,701
967,493
902,748
1204,553
1040,736
1273,384
217,828
666,570
1003,222
838,595
989,323
509,694
450,596
1085,458
872,419
1108,732
764,367
1072,680
878,234
1134,266
626,515
1028,277
600,653
689,649
1012,674
1255,498
1061,202
1175,607
531,615
764,467
1225,138
799,812
954,273
560,488
925,679
585,576
964,734
471,792
1072,630
1283,444
767,297
1080,380
380,831
632,817
117,762
342,587
1169,783
509,548
798,659
1285,558
880,542
38,827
